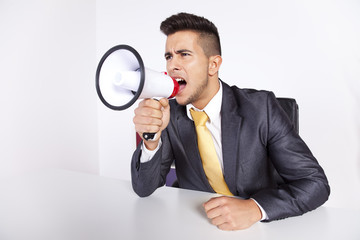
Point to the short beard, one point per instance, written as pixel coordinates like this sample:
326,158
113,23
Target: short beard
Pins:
195,96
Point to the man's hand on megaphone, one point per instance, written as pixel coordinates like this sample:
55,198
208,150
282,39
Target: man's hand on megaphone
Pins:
152,116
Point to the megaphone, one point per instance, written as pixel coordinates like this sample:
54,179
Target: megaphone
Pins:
121,79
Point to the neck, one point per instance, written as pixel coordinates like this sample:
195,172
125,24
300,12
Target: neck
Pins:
212,89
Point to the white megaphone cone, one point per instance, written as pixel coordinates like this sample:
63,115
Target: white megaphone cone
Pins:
121,79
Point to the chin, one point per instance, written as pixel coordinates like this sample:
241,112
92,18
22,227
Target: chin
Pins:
181,101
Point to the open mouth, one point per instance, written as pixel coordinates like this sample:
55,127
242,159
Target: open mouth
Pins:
182,83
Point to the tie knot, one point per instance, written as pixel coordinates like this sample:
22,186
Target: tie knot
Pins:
199,117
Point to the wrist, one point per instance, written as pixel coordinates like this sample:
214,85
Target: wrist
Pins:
257,213
151,145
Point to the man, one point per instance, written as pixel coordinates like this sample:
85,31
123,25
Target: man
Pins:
253,138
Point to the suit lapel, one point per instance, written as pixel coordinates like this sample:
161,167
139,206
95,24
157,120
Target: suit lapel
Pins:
230,134
187,135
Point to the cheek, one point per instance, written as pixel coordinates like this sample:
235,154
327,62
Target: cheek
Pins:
199,70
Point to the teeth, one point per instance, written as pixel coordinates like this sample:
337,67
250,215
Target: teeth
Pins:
179,79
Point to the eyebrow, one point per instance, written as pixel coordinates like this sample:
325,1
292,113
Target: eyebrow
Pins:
178,52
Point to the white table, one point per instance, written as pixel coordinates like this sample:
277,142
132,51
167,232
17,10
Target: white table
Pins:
68,205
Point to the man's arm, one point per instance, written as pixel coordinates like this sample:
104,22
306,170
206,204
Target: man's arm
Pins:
150,116
305,185
148,176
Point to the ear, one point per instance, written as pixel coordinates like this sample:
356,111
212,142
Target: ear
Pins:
214,64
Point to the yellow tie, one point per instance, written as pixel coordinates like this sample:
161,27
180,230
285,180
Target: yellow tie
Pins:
208,155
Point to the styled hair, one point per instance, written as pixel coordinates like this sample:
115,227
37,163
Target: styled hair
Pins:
209,38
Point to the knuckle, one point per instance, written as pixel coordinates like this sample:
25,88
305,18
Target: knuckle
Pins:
227,209
221,227
151,112
147,101
227,218
213,222
222,199
153,103
147,121
151,121
134,120
231,220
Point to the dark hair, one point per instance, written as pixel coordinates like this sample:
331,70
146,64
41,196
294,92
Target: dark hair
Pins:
208,33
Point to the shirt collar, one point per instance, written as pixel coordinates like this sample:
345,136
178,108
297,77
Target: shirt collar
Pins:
212,109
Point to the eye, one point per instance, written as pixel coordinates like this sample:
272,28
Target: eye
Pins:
168,57
184,54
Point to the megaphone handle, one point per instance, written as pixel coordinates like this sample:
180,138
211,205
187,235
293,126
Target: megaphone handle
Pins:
149,136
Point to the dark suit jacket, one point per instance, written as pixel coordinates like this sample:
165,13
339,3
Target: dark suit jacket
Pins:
259,145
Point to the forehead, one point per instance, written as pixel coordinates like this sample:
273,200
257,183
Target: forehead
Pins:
182,40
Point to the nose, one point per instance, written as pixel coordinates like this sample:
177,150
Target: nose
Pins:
173,65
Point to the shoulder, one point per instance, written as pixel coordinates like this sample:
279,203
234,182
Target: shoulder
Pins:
246,92
246,97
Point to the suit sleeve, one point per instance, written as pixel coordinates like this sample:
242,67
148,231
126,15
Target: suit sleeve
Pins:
305,185
147,177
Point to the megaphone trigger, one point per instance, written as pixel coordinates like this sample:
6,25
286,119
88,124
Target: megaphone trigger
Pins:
149,136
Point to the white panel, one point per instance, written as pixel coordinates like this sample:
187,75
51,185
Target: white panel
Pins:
47,94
